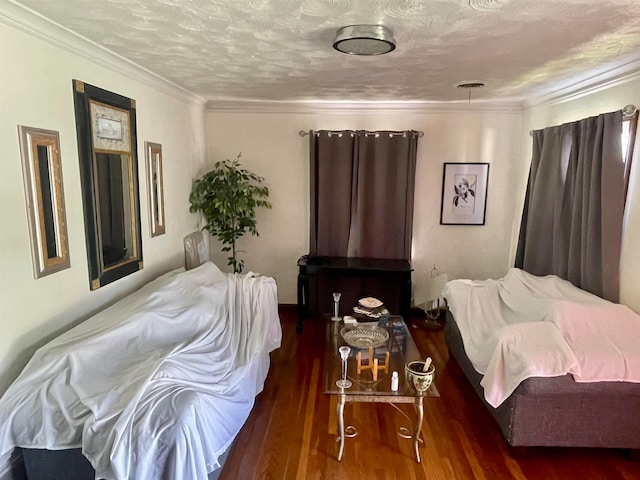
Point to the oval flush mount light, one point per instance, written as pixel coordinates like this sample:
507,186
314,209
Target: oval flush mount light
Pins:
364,40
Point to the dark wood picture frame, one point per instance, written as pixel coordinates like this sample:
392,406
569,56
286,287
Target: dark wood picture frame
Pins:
106,131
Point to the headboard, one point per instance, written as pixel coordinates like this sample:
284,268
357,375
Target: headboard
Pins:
196,250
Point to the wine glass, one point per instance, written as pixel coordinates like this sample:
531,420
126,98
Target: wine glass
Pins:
344,355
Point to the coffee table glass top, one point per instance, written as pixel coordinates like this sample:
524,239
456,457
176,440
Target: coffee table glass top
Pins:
401,347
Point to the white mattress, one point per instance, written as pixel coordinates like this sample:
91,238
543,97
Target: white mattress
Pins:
523,326
156,386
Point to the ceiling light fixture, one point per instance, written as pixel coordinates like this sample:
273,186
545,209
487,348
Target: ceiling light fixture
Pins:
364,40
470,85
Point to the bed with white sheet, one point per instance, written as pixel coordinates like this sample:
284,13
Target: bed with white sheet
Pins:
555,365
155,386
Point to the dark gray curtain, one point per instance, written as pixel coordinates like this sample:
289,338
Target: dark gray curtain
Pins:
332,178
573,213
362,189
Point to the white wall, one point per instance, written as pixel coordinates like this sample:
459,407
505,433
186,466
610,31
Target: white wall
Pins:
605,100
36,91
272,148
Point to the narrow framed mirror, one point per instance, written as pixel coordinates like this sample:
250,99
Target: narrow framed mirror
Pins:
106,130
44,196
155,188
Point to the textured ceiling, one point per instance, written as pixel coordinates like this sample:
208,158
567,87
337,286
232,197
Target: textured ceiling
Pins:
280,50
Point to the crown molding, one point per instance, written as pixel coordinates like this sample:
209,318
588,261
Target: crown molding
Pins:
22,18
32,23
613,77
315,107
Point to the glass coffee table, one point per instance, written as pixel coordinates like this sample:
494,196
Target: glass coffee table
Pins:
390,353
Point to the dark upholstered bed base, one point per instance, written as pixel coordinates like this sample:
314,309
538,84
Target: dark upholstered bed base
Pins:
69,464
558,411
58,464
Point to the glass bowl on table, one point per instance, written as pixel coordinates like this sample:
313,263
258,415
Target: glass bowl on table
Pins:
364,336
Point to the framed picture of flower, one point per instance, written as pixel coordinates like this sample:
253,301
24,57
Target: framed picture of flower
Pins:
464,193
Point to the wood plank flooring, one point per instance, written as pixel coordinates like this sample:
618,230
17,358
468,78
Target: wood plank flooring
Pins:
290,433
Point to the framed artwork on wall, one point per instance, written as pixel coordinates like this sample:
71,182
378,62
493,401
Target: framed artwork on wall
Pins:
464,193
44,194
106,132
155,188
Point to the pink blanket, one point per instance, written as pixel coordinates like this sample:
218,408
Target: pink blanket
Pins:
523,326
605,340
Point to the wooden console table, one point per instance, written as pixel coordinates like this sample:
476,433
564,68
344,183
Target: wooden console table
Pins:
389,280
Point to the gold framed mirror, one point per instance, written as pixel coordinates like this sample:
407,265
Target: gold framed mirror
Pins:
44,196
106,130
155,188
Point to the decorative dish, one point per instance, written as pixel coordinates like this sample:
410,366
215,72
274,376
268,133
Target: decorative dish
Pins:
370,302
375,313
364,337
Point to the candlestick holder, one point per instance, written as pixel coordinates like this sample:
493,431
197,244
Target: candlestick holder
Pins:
336,307
344,355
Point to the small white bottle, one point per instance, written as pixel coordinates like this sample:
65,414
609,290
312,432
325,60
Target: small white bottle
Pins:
394,381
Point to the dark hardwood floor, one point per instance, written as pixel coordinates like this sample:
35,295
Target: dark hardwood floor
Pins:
291,432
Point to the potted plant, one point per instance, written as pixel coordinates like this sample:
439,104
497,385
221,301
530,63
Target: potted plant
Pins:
227,197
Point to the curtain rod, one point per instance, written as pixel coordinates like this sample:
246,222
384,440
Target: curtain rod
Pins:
304,133
628,111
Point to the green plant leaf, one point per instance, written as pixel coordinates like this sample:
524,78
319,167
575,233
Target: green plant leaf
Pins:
227,198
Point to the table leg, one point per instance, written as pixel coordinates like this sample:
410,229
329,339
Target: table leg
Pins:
405,298
303,300
340,411
418,425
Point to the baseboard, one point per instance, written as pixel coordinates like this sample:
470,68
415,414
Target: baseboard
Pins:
287,307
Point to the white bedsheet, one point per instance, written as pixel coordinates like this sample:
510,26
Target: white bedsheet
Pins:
156,386
523,326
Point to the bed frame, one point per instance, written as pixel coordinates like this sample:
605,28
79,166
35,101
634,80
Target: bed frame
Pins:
557,411
70,464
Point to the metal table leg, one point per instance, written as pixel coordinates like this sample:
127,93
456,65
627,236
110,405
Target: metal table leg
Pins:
340,411
418,425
